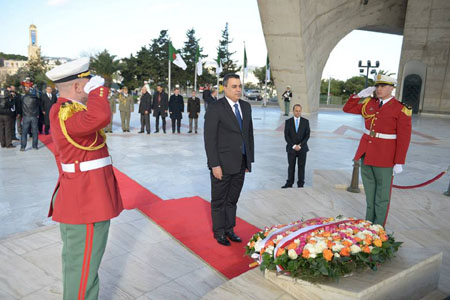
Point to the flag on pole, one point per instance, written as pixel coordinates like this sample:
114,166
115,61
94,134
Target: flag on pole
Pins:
176,58
245,63
198,62
267,68
219,68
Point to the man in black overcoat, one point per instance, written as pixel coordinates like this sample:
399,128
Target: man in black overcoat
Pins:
176,109
160,106
145,108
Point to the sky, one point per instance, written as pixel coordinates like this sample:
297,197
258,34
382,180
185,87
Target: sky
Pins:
75,28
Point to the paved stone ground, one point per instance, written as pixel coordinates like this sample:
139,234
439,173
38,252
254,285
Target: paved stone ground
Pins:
173,166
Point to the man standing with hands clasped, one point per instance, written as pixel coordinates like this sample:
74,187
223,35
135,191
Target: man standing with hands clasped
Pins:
228,134
384,144
87,195
296,134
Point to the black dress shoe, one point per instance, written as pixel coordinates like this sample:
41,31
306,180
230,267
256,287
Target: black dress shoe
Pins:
140,132
156,131
299,185
286,186
190,131
233,237
223,240
11,146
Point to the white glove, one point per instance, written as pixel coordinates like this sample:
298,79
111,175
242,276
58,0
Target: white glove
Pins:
398,169
366,92
93,83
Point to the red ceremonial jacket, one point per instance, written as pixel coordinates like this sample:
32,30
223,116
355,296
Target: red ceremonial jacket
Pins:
90,196
392,118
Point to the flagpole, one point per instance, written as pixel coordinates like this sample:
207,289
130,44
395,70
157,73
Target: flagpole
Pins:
243,74
265,90
195,77
168,92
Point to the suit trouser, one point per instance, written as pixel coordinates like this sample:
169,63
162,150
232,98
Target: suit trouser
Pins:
377,183
40,122
47,122
224,197
158,113
195,123
82,253
178,125
5,130
300,156
13,127
125,120
19,125
145,122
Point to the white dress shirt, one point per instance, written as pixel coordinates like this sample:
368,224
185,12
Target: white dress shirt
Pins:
232,103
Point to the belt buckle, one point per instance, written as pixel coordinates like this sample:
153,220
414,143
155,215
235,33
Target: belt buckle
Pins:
373,133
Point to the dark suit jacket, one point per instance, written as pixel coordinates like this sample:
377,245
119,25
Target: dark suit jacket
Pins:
296,138
146,103
46,102
193,107
162,106
223,136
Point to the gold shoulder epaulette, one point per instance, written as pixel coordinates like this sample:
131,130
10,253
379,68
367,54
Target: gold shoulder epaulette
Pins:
407,111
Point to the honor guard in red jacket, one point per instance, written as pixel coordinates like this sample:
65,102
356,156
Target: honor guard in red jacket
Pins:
384,144
86,196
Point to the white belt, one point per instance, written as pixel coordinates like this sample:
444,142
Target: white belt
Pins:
88,165
380,135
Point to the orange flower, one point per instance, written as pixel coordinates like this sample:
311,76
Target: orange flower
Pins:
384,237
252,244
312,242
345,251
358,239
266,233
262,251
366,249
378,243
280,251
368,241
330,244
326,234
327,254
292,246
305,253
336,237
347,243
355,230
270,243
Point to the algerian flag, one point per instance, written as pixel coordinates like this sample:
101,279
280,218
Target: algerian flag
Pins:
245,63
219,68
199,64
267,69
176,58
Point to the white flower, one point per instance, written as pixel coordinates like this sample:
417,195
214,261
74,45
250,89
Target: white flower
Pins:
292,254
361,235
310,248
338,247
255,255
355,249
336,255
270,249
312,255
320,246
297,241
259,245
279,238
376,227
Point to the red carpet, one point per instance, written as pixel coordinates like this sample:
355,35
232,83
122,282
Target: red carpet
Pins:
188,220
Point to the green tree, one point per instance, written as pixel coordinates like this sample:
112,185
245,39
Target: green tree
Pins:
105,65
383,72
260,74
128,71
355,84
223,53
337,87
158,58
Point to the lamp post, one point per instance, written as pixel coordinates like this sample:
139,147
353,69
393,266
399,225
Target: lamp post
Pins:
368,67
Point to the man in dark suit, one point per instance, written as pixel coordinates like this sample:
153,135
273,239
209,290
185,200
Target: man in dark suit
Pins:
176,109
206,95
145,108
228,134
160,107
48,99
296,134
193,108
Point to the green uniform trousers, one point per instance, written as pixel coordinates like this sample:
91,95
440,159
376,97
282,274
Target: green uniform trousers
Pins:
377,183
83,248
286,107
125,118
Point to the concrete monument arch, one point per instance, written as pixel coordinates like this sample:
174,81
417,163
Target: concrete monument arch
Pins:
300,34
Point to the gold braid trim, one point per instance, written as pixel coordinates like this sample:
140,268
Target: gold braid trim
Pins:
65,112
365,114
